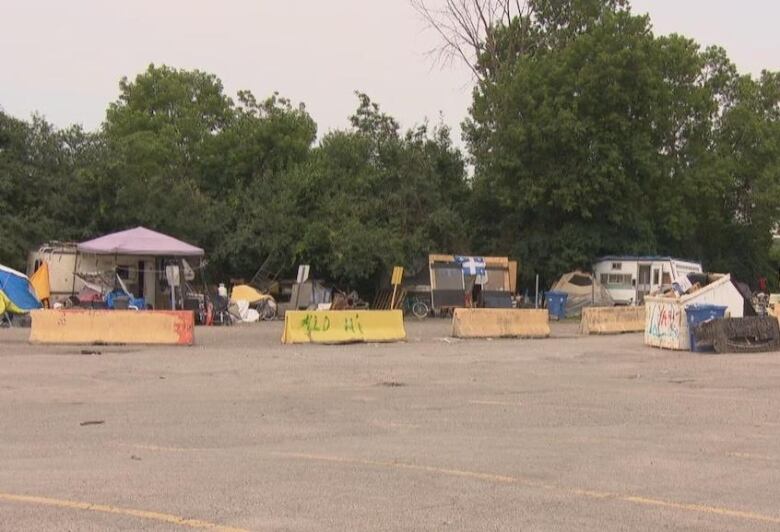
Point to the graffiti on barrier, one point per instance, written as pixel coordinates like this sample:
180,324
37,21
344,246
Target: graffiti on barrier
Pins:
665,321
313,323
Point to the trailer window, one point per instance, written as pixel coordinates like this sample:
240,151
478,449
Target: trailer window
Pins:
656,277
617,265
617,281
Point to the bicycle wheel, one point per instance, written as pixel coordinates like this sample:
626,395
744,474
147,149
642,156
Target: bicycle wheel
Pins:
420,310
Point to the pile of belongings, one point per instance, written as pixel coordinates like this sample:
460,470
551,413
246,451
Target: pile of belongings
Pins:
17,295
350,301
584,290
250,305
687,284
104,290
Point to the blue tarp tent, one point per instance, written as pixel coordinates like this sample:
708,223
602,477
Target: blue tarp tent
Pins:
16,293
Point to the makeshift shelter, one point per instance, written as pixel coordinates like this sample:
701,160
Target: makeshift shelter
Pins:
152,265
16,293
252,305
463,281
140,257
244,292
583,290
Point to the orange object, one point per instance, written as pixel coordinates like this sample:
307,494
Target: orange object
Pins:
40,283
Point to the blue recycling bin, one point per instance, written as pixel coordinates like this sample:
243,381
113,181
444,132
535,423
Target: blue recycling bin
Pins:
698,314
556,304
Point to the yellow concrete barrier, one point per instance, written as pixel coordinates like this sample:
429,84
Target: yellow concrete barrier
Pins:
343,326
500,323
612,320
81,326
775,311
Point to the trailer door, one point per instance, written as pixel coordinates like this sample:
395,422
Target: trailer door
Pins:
643,284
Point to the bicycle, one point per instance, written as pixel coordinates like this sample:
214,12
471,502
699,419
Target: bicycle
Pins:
416,306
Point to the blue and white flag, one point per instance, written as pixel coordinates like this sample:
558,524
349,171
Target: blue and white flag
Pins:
474,266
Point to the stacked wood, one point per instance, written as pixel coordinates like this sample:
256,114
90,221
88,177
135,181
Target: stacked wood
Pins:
383,299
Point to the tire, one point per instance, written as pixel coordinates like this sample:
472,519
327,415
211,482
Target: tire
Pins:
753,334
420,310
267,311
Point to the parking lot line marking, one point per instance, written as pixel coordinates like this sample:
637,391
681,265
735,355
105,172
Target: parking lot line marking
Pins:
493,403
401,465
752,456
105,508
503,479
162,448
702,508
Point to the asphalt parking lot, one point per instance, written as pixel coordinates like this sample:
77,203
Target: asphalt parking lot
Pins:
240,432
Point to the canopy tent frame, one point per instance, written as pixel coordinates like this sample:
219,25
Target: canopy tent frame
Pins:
142,243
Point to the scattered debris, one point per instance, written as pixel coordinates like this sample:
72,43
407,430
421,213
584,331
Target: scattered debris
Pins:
90,352
134,457
97,422
681,381
391,384
347,301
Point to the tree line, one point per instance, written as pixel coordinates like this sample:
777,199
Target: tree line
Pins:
587,135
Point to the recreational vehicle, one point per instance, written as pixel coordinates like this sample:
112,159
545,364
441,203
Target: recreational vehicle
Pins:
628,279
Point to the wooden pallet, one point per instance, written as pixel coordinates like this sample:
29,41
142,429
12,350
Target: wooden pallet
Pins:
383,299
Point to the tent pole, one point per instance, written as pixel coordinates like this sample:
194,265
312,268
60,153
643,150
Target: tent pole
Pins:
75,269
536,297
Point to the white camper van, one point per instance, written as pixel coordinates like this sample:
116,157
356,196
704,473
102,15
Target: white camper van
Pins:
628,279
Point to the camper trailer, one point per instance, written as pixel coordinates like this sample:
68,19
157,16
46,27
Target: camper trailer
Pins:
628,279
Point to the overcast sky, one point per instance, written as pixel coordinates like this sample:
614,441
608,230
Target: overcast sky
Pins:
64,59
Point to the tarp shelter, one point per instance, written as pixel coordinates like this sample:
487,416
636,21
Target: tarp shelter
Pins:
243,292
16,293
139,241
584,290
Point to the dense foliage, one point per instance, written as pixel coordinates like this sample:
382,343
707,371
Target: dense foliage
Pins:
588,135
597,137
244,180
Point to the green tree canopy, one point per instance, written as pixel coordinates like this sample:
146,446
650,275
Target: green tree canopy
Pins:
613,140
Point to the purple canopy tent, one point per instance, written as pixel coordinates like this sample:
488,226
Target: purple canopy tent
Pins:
153,251
139,241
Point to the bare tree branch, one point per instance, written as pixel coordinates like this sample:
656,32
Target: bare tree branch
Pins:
468,30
